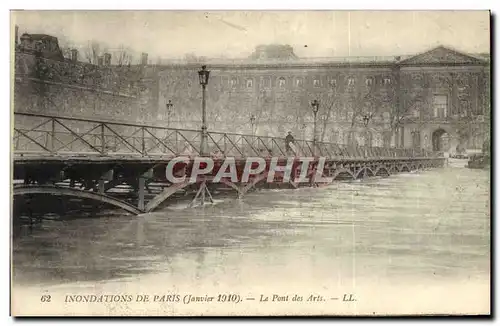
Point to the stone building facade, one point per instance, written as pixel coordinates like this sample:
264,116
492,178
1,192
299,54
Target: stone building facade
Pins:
410,101
435,100
47,83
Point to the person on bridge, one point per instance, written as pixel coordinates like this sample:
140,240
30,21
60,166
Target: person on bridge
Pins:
288,141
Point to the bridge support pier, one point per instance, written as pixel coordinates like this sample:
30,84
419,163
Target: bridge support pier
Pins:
202,195
101,186
142,189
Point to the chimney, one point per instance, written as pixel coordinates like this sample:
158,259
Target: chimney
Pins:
144,59
74,55
100,60
25,40
107,59
16,35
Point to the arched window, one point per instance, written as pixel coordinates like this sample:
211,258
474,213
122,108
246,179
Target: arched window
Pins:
332,82
350,81
387,80
369,81
281,82
316,82
249,83
234,82
299,81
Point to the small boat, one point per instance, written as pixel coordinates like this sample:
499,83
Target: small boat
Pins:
461,156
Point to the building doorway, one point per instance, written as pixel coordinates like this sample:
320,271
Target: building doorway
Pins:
440,140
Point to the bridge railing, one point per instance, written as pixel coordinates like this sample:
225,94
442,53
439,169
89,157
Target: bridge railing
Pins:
42,134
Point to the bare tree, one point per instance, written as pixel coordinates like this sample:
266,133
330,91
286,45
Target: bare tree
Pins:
92,51
192,58
123,56
331,101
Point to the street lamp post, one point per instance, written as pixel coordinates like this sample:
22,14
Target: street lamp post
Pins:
366,120
203,192
315,109
169,106
252,124
204,75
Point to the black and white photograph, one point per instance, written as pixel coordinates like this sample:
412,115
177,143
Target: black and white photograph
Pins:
250,163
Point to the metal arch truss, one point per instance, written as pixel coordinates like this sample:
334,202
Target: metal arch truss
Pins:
72,192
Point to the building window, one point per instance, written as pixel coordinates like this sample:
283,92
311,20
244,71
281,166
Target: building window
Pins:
440,106
350,138
334,138
387,139
366,139
415,138
416,110
266,82
464,108
234,82
462,82
316,82
299,81
387,81
333,82
350,81
416,113
249,83
369,81
417,80
281,82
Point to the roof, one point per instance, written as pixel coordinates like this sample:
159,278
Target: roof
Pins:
482,56
432,56
442,55
40,36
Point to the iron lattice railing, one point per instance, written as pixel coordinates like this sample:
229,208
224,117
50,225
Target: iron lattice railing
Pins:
39,134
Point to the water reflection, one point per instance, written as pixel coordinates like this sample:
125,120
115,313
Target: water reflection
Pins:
428,223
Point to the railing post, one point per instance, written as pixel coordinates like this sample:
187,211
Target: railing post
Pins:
143,147
103,143
176,142
142,186
16,146
225,145
53,136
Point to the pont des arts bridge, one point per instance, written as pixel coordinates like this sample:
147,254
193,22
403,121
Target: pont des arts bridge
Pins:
125,165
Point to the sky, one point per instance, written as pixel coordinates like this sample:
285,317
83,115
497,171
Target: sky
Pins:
234,34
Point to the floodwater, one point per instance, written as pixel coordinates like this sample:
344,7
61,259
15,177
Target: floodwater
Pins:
426,228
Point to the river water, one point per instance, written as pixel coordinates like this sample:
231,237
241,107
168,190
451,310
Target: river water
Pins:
405,235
